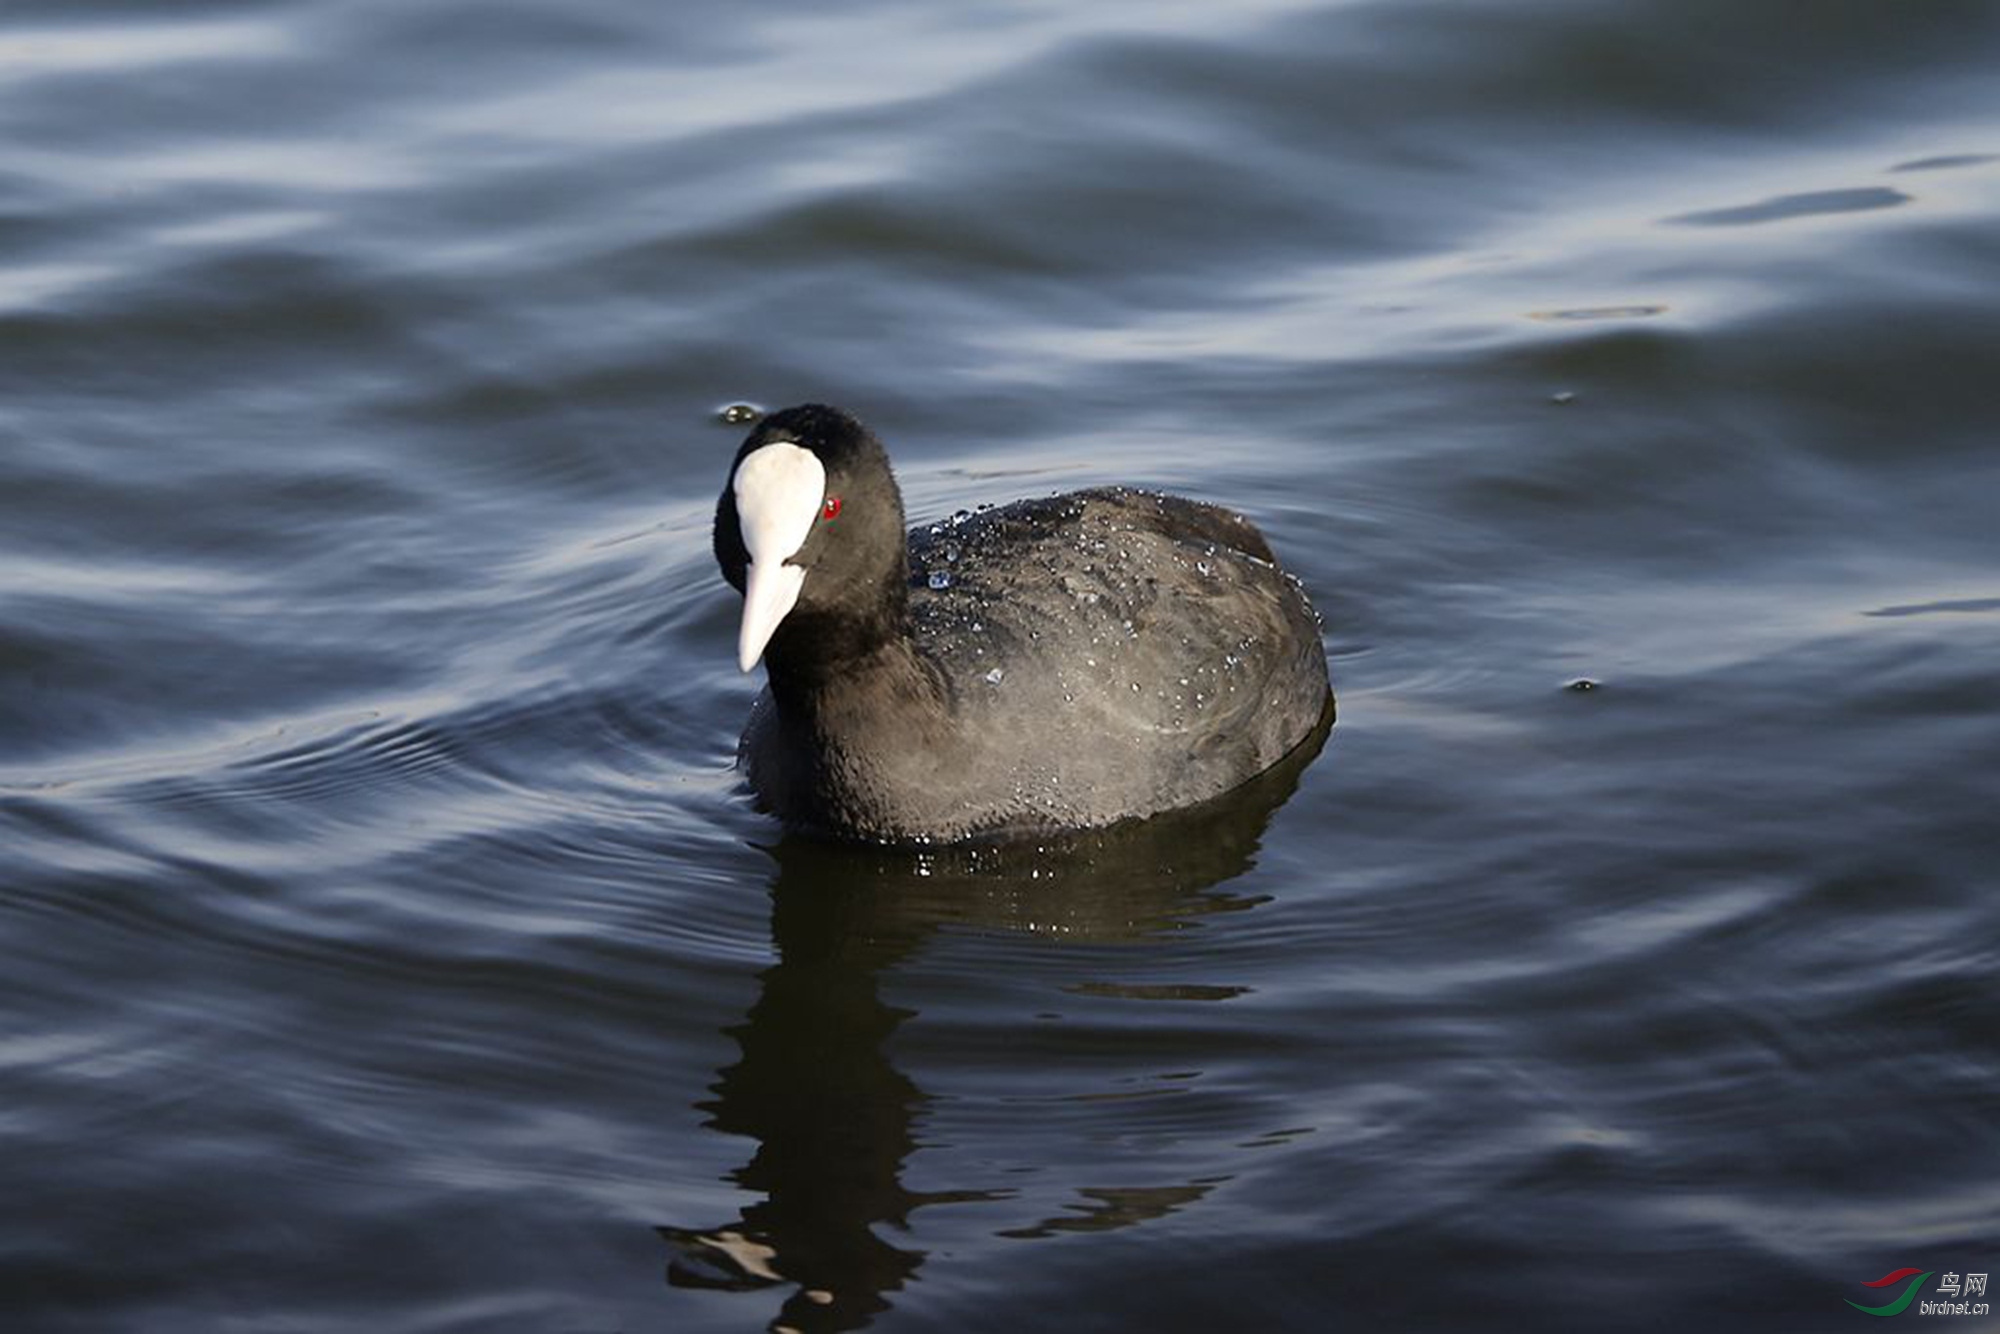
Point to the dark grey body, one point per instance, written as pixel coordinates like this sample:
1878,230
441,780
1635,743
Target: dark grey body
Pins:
1149,653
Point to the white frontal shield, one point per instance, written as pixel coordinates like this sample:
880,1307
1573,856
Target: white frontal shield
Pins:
779,489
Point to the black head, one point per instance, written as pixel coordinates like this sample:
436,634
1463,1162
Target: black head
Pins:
809,528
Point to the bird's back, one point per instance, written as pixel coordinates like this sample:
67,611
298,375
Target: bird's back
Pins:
1112,653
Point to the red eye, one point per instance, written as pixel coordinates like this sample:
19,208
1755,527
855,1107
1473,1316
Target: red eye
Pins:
830,510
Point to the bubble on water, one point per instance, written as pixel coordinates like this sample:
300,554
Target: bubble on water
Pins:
939,579
993,677
1563,397
738,414
1581,684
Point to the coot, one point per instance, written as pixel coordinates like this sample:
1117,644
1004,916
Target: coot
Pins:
1061,663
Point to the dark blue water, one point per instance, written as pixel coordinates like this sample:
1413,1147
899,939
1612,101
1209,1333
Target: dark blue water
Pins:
389,946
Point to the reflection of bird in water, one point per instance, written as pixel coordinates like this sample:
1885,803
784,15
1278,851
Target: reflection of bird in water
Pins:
834,1119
